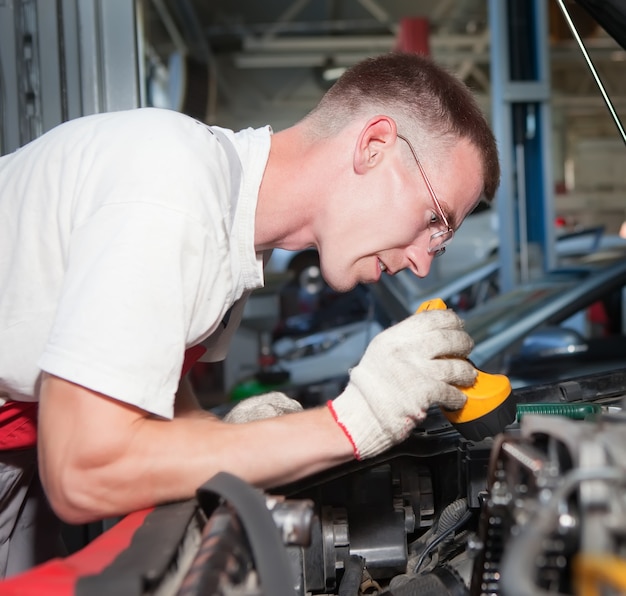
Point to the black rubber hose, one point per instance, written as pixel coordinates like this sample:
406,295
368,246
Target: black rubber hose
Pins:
269,553
352,576
223,557
450,515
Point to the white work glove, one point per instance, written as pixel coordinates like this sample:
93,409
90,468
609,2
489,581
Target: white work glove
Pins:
263,406
405,370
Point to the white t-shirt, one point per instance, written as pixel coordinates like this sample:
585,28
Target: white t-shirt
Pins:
125,238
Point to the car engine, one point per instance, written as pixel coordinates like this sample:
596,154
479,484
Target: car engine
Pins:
539,509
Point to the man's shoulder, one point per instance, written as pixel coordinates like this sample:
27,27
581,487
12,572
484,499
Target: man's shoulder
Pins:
137,124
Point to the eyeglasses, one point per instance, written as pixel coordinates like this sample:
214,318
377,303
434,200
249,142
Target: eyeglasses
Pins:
440,239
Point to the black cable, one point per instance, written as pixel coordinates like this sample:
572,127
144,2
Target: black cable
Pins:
460,523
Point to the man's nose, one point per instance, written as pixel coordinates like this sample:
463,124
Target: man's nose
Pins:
419,259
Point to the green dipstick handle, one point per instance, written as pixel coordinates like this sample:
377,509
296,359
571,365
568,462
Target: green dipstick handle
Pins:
573,411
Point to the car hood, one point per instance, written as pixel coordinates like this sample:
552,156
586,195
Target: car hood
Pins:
610,15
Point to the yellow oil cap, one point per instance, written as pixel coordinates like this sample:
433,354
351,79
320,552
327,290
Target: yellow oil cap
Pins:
486,394
486,411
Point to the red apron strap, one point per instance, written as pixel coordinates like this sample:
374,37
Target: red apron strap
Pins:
192,355
18,425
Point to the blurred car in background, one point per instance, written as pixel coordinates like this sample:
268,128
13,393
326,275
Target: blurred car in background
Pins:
568,323
326,343
302,265
402,294
580,244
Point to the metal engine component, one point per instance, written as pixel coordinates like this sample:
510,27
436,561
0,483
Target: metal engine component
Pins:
555,503
367,515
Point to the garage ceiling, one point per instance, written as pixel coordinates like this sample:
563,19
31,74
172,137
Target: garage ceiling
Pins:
265,59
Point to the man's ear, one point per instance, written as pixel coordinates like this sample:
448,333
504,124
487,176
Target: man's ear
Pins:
376,137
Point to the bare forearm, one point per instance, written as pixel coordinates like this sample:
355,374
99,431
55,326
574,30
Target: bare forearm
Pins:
106,459
265,453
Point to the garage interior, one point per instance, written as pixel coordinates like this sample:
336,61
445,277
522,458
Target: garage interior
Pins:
248,63
245,64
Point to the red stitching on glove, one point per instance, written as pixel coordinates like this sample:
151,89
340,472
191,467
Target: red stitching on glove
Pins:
329,403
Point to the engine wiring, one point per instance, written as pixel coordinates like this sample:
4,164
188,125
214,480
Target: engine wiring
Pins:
466,516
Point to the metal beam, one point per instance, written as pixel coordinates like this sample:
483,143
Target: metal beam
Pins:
522,125
64,59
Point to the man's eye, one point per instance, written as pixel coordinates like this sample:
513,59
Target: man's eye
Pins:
434,219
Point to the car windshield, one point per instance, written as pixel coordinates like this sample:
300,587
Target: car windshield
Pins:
504,310
460,291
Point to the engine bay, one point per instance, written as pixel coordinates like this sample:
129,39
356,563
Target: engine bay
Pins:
540,508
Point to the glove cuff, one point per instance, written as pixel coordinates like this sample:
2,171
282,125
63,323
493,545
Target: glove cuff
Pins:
331,406
355,418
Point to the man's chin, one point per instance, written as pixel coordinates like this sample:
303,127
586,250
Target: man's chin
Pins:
342,287
340,281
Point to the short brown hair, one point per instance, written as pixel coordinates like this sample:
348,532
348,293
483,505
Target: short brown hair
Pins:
423,98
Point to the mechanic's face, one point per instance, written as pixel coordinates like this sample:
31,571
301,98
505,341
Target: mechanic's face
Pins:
389,225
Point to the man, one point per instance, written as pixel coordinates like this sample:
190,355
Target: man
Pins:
128,238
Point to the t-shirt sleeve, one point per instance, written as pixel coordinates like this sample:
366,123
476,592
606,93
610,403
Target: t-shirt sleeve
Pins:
126,305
